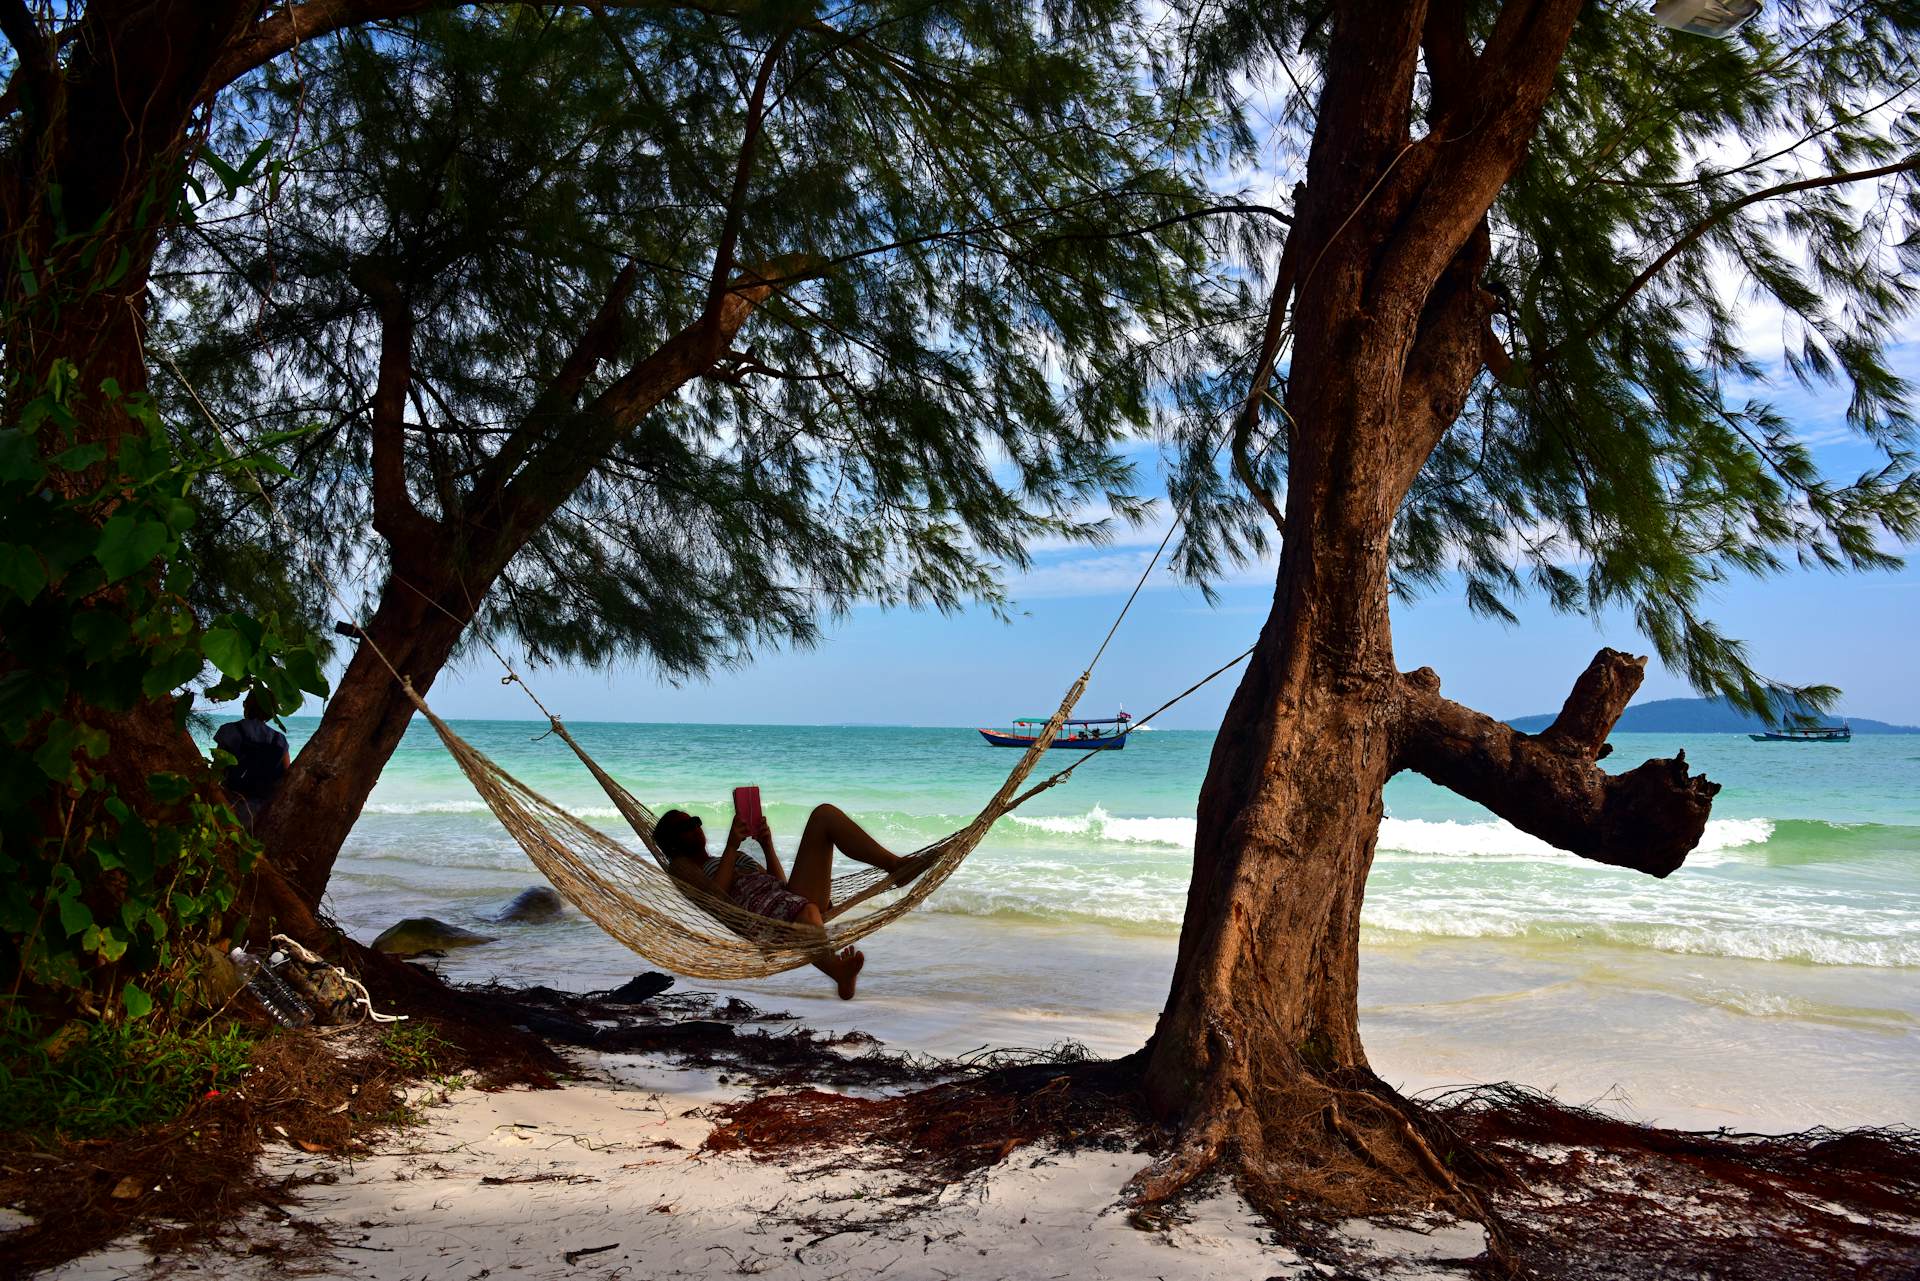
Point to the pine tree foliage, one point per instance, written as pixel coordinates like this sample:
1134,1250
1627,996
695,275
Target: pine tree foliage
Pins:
960,332
1626,448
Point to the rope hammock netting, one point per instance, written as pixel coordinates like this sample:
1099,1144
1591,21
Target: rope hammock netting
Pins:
672,922
680,926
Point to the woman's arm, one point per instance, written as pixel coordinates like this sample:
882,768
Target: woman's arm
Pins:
765,837
694,870
729,857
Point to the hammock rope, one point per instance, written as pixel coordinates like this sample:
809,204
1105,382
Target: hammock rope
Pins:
639,901
680,926
670,921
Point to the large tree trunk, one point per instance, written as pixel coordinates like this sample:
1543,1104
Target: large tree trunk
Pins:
1260,1034
1258,1052
97,157
98,150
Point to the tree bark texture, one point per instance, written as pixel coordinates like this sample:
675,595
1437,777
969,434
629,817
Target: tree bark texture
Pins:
99,151
1258,1051
98,155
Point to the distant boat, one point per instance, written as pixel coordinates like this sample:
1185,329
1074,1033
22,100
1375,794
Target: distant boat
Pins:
1816,734
1085,736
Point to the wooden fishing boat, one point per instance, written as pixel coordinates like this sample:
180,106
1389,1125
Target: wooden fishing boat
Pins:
1085,736
1813,734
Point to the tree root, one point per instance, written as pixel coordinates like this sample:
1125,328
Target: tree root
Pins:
1319,1152
1200,1150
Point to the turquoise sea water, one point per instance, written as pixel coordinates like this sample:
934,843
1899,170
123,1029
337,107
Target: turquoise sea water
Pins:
1797,922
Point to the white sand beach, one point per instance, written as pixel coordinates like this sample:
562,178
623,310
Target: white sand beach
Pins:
606,1178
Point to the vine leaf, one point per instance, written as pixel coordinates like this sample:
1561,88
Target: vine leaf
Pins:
21,571
137,1002
129,544
227,650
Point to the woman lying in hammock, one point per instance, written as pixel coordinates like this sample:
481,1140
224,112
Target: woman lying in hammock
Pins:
806,896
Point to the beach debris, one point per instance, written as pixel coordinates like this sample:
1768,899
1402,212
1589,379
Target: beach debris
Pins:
574,1256
639,988
417,934
128,1188
268,985
215,979
535,903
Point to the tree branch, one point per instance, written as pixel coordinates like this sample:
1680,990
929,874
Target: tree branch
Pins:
571,448
1270,342
291,24
1714,219
17,24
1447,357
35,69
723,254
1551,785
1472,150
598,342
1449,55
395,518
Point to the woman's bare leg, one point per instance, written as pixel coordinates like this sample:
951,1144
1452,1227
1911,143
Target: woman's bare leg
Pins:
828,828
843,967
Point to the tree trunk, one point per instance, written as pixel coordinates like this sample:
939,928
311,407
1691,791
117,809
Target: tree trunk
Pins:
97,156
444,568
99,145
364,721
1258,1053
1260,1039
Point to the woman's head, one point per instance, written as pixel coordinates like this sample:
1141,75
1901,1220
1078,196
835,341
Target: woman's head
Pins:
257,707
680,834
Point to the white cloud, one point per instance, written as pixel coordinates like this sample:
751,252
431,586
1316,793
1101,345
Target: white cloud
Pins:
1114,571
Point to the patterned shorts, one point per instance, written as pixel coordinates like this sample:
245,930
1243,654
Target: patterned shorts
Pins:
763,895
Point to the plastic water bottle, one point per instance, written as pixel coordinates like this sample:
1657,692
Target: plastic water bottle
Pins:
270,989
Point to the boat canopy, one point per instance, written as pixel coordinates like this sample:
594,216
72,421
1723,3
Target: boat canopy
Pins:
1121,719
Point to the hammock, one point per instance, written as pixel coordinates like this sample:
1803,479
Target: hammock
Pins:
679,926
669,921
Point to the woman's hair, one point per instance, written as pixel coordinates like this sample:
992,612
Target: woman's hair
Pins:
672,829
256,708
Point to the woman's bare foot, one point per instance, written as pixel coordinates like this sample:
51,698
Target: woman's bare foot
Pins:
845,971
909,869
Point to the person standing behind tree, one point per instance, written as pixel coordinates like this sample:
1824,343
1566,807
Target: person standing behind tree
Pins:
260,757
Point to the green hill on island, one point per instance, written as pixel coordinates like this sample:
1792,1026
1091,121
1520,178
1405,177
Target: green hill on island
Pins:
1701,716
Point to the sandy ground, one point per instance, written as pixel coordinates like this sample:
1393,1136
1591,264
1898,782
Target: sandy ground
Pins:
605,1179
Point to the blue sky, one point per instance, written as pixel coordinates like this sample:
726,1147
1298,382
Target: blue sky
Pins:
899,667
925,669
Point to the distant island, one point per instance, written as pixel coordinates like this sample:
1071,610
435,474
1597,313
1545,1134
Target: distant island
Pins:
1701,716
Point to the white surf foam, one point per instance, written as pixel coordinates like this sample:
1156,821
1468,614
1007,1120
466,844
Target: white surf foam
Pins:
1101,826
1433,838
474,806
1762,941
1498,839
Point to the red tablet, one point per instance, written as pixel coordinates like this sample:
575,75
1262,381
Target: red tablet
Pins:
746,804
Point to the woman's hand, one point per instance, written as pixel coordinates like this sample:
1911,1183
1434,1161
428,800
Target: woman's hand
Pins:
764,835
736,833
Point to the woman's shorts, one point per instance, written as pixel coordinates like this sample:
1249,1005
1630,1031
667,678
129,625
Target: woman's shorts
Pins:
767,897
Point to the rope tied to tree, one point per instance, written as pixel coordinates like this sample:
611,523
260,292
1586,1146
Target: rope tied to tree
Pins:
641,902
